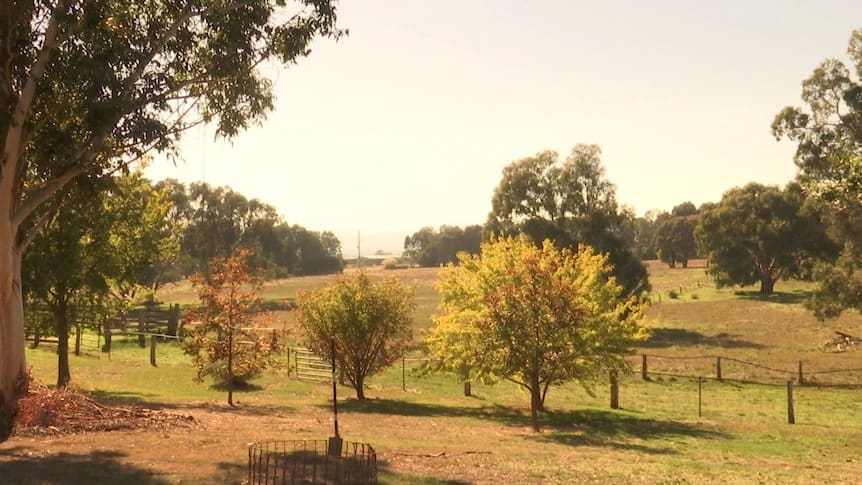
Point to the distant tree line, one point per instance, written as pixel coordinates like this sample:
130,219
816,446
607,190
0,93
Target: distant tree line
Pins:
215,221
116,239
430,247
755,234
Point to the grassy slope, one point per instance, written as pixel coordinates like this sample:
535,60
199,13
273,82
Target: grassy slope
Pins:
658,437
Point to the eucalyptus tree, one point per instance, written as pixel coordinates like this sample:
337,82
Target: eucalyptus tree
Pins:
88,87
828,132
570,202
761,234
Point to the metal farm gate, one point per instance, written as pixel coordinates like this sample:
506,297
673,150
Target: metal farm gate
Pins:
310,366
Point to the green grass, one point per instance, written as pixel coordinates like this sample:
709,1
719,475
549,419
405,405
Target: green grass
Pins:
657,436
431,433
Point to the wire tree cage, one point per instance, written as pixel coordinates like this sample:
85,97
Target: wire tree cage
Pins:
331,461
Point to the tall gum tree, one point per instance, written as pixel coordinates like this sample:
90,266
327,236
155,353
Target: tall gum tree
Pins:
828,131
91,86
569,201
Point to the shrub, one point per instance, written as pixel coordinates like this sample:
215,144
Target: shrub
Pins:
370,322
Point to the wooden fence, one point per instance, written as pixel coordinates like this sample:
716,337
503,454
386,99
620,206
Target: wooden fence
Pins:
143,322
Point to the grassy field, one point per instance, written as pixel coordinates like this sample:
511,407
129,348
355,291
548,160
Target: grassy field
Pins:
430,433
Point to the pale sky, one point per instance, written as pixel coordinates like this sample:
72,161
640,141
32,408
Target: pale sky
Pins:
409,120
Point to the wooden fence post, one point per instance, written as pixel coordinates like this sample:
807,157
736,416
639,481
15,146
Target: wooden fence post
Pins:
615,391
153,350
173,320
801,378
791,417
403,373
288,362
468,386
699,396
78,338
644,375
107,347
142,339
718,368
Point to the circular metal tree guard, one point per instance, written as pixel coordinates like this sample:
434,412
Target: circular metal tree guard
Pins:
311,462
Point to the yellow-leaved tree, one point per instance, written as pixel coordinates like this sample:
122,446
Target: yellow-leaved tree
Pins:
534,315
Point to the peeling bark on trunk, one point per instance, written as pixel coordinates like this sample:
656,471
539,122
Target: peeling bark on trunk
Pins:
13,378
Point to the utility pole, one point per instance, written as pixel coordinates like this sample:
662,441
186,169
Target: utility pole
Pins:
358,249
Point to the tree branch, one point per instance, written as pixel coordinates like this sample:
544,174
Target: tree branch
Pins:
21,112
47,217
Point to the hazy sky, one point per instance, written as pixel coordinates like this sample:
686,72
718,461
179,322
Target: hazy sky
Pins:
409,121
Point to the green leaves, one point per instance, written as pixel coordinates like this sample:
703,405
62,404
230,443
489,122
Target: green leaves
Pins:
762,234
535,315
569,202
370,321
828,132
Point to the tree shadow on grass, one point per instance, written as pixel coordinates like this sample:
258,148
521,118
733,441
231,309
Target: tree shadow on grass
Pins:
239,387
122,398
232,472
574,428
19,467
406,408
783,297
593,427
668,337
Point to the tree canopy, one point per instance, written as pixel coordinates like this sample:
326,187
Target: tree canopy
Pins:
369,320
218,220
429,247
88,87
675,241
570,202
100,248
828,132
537,316
761,234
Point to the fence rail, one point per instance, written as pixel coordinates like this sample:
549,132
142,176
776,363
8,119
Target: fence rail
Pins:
310,366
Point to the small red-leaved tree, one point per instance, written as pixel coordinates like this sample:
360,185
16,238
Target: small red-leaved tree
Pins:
227,341
369,320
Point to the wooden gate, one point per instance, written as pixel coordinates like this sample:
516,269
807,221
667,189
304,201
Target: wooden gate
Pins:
310,366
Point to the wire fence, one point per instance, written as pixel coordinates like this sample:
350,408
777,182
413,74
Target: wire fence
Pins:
732,369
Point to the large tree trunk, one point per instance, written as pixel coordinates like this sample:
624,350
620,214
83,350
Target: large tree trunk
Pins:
767,284
360,388
13,377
